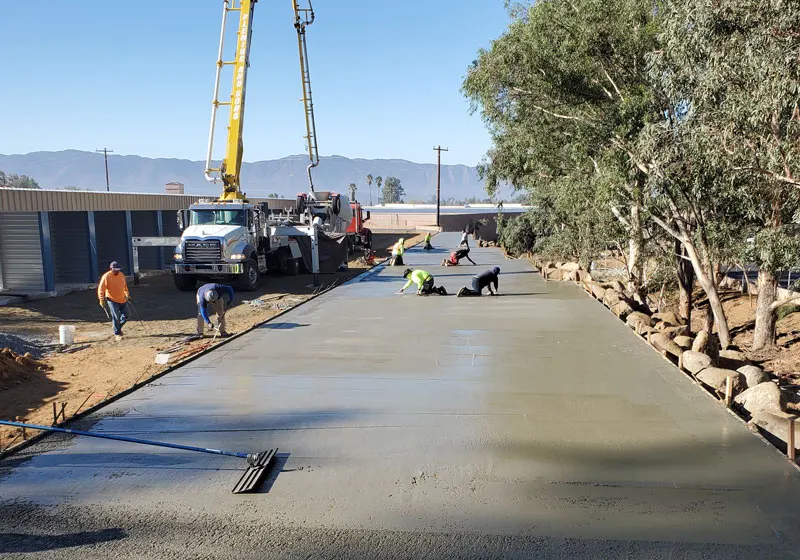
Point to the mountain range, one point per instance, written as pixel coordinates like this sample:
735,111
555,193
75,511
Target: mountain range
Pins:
285,176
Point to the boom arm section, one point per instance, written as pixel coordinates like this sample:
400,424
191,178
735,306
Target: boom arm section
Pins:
302,18
231,164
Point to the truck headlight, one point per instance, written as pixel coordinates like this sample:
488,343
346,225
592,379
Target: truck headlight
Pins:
177,257
238,257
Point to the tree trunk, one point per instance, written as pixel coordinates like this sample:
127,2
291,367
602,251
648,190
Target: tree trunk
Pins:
685,274
706,279
635,243
766,316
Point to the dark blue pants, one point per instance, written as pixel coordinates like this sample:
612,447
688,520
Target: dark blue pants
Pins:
119,315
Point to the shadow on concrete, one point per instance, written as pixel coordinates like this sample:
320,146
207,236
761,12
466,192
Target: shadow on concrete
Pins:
26,542
283,326
278,466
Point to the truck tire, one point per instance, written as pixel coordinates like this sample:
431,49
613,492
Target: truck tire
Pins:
249,281
185,282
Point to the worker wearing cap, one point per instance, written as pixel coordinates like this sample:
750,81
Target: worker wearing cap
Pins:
423,280
113,291
397,252
480,281
211,294
428,245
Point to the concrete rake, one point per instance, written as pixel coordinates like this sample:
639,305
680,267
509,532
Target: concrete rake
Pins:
258,464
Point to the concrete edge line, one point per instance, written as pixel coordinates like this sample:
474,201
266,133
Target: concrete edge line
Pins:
688,377
91,410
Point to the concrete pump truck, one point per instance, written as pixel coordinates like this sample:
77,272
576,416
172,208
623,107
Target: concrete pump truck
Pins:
232,237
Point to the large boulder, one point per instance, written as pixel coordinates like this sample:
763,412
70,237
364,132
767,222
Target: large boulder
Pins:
598,291
715,378
672,332
732,359
552,273
700,341
611,298
570,267
668,317
569,275
764,396
622,309
683,341
695,362
663,343
753,375
638,321
618,286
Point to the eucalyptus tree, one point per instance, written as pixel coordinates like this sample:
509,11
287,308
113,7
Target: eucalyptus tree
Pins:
735,65
564,93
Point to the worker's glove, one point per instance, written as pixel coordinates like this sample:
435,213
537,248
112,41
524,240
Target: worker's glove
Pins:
103,303
212,326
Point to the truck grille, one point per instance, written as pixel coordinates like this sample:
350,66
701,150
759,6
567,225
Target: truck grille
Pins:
202,251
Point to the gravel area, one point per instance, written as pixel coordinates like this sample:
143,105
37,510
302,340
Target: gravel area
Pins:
37,346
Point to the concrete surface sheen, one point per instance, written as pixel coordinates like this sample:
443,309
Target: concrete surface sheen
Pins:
529,425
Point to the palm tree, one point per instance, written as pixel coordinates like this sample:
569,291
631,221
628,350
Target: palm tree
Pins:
369,184
353,190
379,182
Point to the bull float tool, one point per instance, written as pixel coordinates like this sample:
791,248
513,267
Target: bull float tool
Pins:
258,464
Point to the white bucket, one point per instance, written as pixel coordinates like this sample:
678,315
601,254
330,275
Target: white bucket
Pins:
66,334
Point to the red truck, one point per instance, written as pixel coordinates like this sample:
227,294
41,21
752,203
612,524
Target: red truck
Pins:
358,234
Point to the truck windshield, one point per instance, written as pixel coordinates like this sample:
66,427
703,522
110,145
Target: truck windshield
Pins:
217,217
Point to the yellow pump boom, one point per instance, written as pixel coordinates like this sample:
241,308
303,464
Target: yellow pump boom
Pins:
231,164
302,18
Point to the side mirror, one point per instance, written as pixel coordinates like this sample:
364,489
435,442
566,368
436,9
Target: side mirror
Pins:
181,225
367,218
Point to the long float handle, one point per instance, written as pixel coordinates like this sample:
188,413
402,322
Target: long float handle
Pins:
123,438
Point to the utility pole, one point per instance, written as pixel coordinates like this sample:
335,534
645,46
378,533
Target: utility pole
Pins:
105,153
439,151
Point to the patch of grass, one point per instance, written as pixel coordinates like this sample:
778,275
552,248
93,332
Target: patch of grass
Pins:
787,310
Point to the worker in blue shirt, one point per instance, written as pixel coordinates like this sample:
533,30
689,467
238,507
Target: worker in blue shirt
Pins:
211,294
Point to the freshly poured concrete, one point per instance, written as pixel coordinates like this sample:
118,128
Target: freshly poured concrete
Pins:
533,424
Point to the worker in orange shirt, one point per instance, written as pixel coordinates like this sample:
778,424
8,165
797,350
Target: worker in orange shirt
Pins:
113,289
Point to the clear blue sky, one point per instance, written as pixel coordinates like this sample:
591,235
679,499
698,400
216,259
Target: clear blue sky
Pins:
137,77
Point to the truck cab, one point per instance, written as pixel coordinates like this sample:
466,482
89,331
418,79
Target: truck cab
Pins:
222,240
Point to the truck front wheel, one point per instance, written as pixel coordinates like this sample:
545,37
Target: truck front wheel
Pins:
249,280
185,282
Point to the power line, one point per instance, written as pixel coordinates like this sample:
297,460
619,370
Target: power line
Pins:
105,153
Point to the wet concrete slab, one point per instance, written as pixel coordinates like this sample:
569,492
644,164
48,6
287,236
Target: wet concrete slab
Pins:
533,414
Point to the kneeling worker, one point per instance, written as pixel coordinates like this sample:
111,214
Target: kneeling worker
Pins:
210,294
456,256
397,253
424,282
481,281
428,246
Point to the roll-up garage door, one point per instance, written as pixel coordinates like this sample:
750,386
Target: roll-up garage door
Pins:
112,241
69,238
145,224
21,251
169,220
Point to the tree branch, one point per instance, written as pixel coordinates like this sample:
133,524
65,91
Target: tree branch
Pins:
666,228
612,83
777,176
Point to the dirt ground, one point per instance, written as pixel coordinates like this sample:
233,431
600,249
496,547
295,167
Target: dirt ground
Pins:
782,361
98,367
